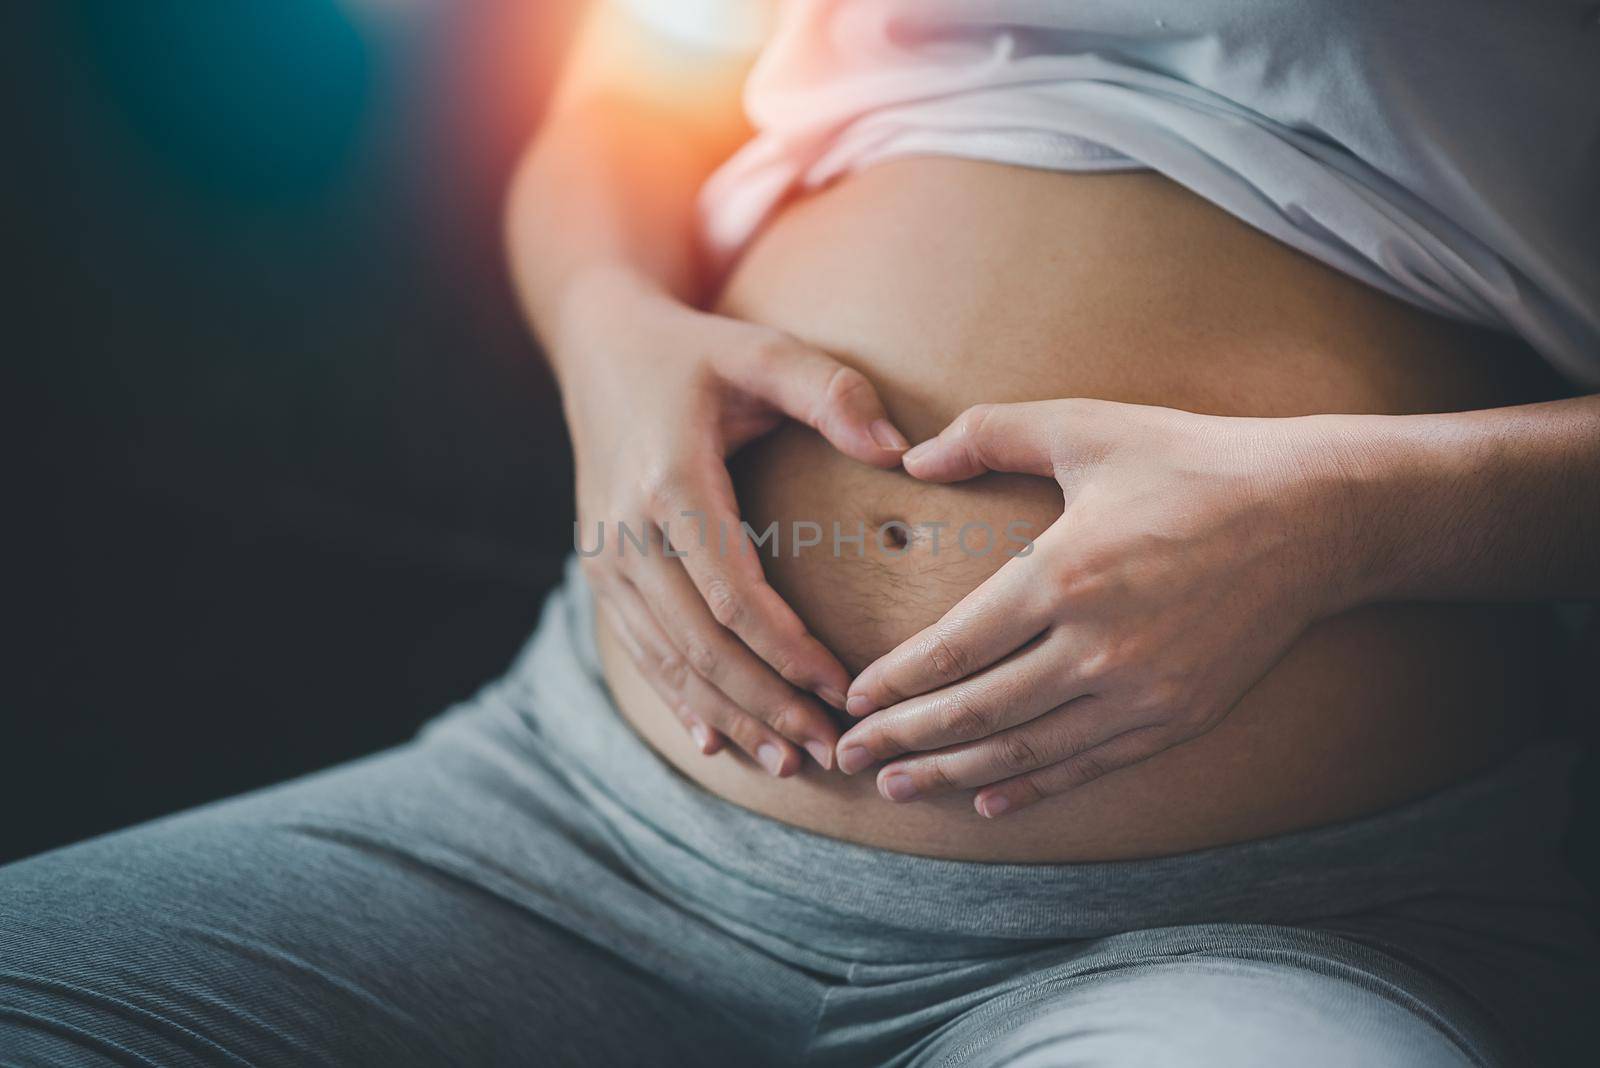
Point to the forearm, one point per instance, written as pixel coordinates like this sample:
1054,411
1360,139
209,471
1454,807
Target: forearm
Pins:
1501,503
604,196
603,203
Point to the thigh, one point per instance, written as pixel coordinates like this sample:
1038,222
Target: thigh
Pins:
1199,1011
372,915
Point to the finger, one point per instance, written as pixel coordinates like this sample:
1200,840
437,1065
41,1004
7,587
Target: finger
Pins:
654,656
755,739
991,437
1138,744
814,388
724,569
1005,612
712,653
1025,685
1076,727
693,698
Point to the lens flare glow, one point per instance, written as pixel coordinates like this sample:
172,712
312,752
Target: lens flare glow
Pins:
714,25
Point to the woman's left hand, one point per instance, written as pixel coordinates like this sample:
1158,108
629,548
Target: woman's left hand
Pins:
1192,551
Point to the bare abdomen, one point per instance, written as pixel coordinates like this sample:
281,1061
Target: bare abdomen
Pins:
952,282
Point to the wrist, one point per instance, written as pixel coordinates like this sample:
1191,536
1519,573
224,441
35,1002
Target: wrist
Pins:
1368,474
591,305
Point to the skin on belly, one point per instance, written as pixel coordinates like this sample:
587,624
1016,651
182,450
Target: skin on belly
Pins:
951,282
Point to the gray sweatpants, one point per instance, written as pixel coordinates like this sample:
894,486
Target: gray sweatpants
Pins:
528,884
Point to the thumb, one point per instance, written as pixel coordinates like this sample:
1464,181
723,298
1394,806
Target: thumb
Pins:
835,400
989,437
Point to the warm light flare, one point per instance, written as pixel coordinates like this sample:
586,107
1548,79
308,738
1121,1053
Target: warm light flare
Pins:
715,25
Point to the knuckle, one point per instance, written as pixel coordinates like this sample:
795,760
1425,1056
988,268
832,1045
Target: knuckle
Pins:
783,660
771,348
718,717
746,733
727,607
844,384
787,718
947,658
790,670
884,743
885,691
1078,579
964,718
674,672
1086,767
1167,698
658,488
701,656
1095,664
943,777
1071,745
1016,753
1031,789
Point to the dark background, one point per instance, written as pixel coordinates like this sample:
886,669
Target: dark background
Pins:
289,476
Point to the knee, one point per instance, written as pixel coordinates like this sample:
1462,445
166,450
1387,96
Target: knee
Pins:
1200,1013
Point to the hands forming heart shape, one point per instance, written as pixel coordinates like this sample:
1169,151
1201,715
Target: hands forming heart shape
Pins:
1187,560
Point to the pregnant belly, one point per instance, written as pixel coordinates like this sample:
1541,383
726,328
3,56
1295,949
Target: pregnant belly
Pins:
951,282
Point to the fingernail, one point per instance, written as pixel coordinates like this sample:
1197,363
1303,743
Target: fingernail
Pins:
832,695
701,736
919,451
898,787
885,434
771,757
859,706
852,758
821,752
993,805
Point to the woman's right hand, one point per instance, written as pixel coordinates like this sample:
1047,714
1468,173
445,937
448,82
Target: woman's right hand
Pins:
658,396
